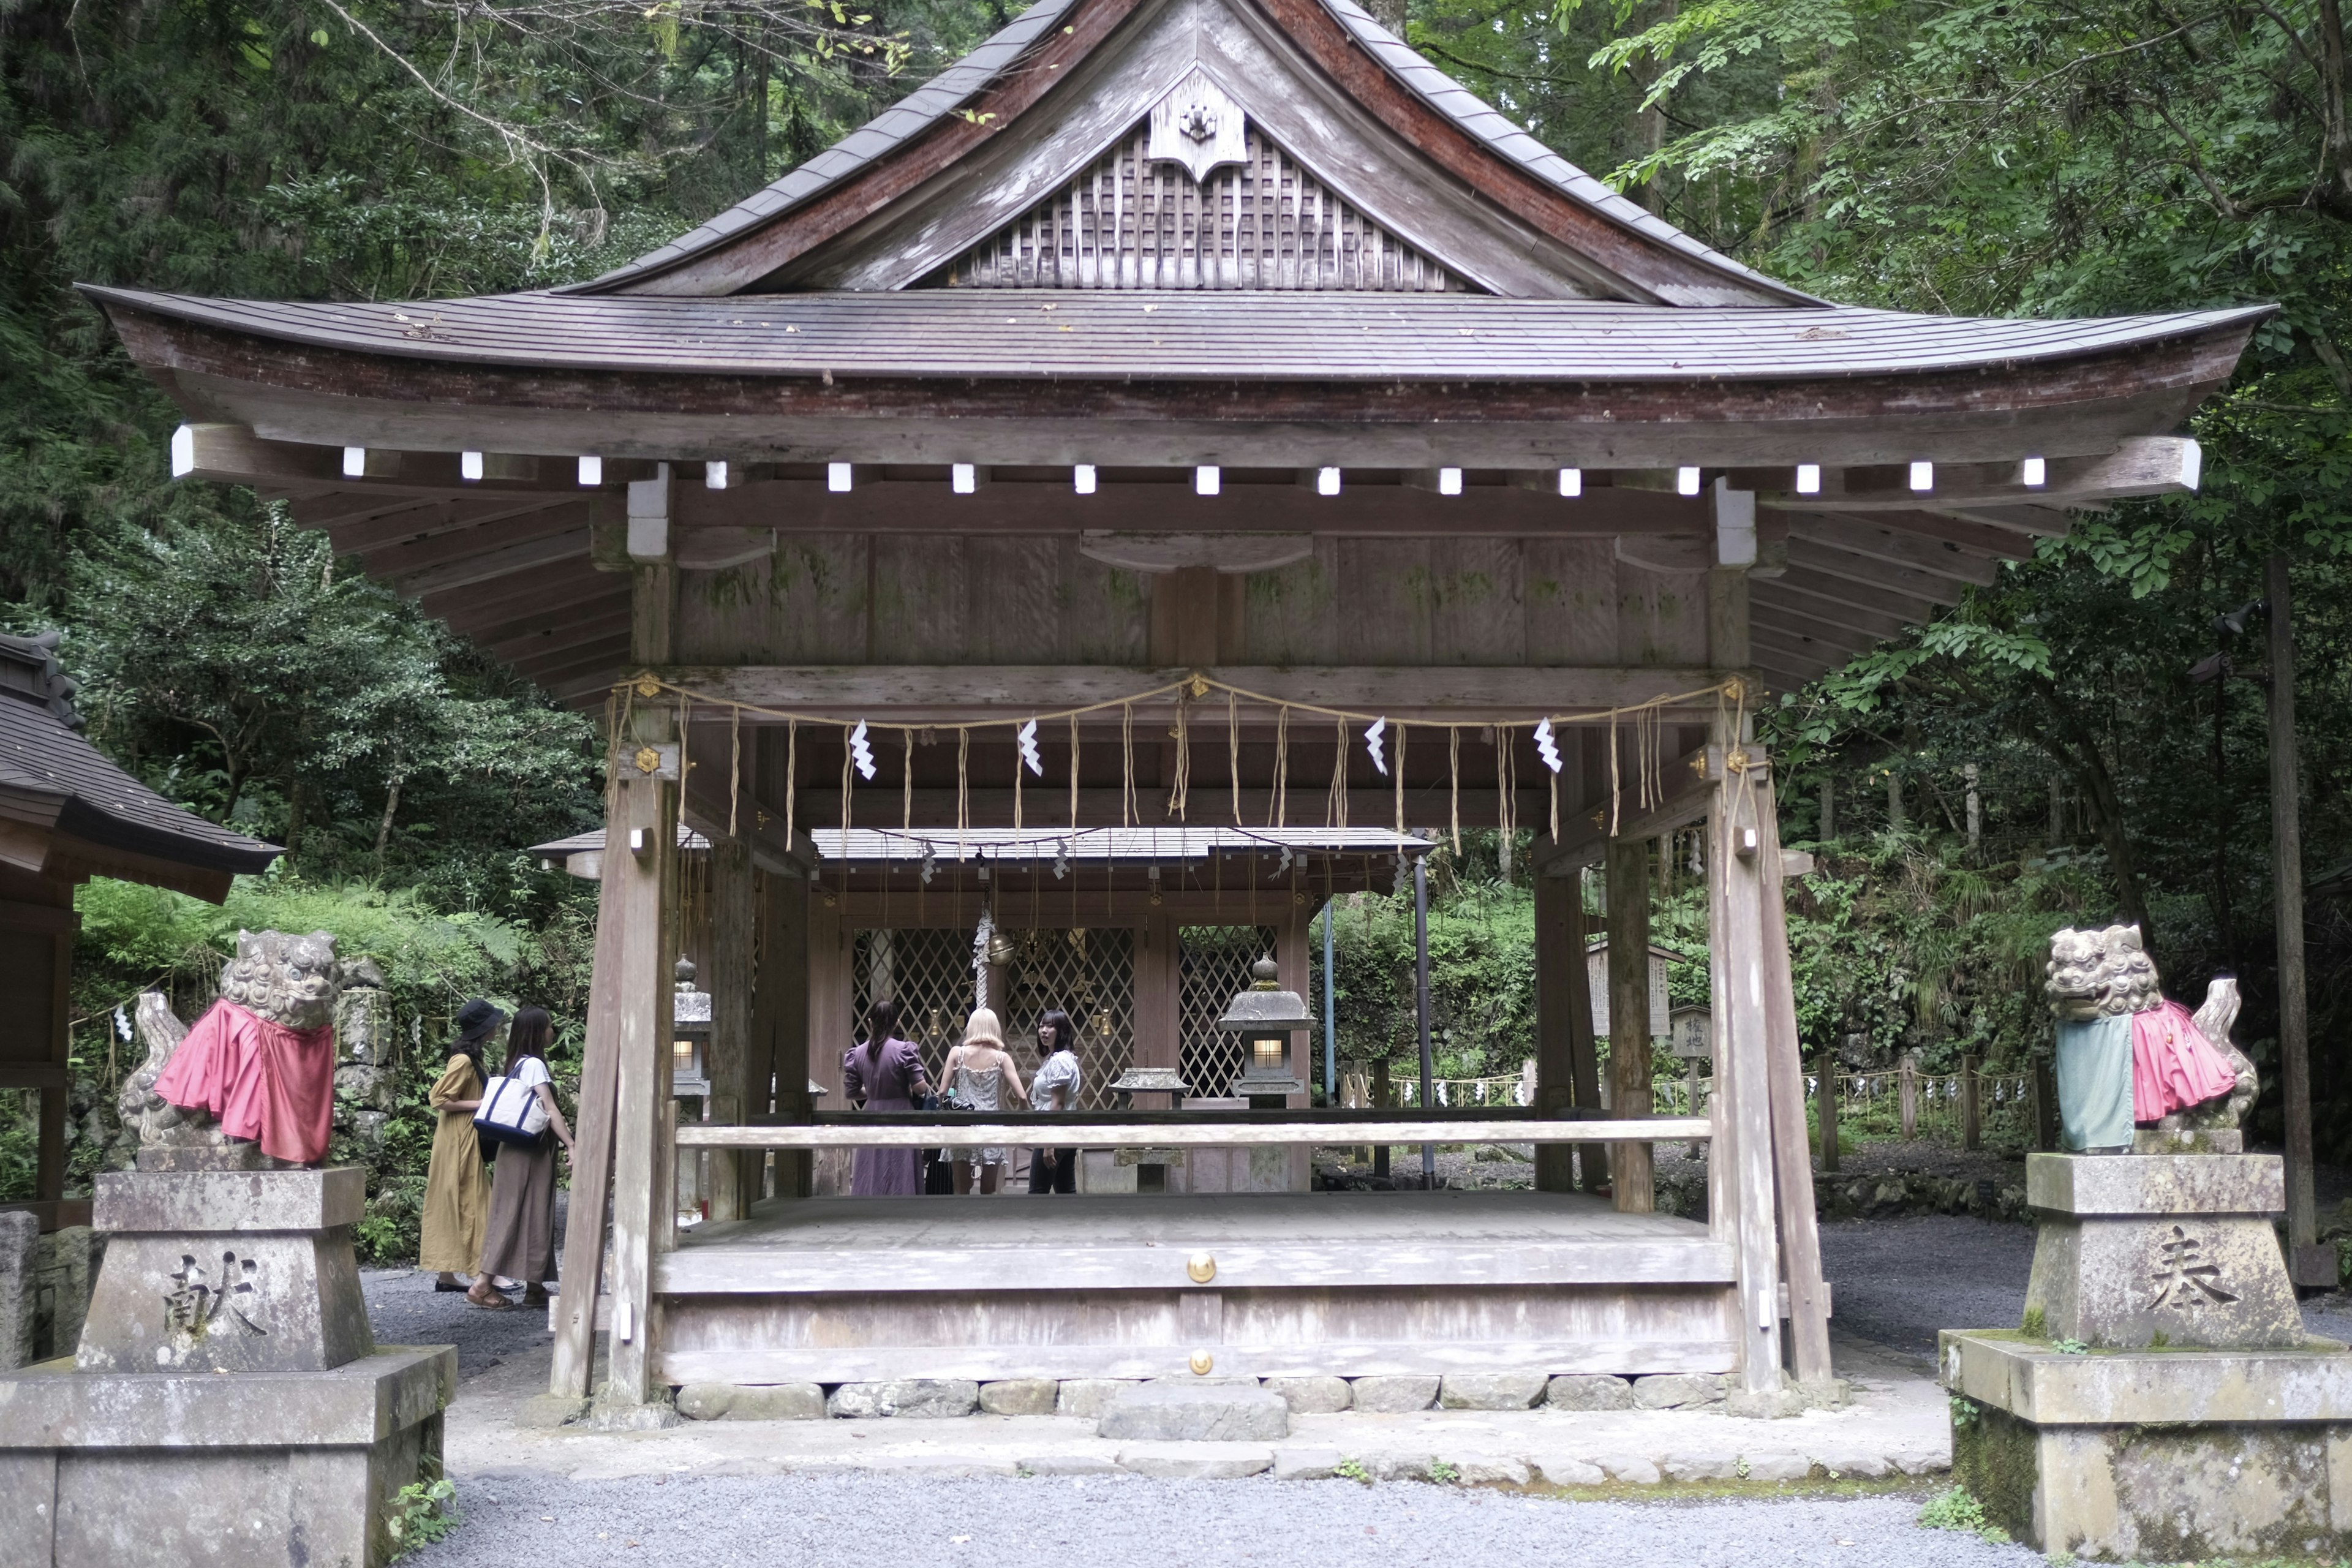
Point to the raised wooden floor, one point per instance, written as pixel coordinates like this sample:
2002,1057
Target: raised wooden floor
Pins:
845,1289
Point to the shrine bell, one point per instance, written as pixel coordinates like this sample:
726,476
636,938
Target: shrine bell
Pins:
1266,1017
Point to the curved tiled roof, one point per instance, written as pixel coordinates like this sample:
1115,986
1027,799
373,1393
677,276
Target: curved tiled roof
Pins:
940,97
1080,335
54,774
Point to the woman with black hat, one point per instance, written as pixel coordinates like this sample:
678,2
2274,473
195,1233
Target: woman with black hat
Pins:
457,1187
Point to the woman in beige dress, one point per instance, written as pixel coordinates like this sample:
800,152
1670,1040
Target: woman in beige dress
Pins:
981,1073
519,1243
456,1188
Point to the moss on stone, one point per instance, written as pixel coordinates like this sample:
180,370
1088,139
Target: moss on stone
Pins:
1993,1457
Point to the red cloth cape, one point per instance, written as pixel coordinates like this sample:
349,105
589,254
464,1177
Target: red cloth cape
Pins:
259,1080
2174,1066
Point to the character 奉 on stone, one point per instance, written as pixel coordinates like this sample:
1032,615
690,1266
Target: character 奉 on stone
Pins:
261,1062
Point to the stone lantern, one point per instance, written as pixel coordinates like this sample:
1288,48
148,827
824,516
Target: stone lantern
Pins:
689,1034
1266,1017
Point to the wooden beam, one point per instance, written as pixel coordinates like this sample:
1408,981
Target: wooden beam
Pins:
919,694
2143,466
609,654
516,619
1777,602
516,646
1874,571
405,519
1212,1131
233,454
1053,507
1878,599
1786,632
591,1141
564,584
406,559
1628,883
1046,810
1688,784
2036,520
570,545
1867,536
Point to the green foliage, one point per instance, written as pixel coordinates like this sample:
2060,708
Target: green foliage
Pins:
1956,1509
2070,1347
1353,1470
1963,1411
2035,1323
422,1512
1443,1473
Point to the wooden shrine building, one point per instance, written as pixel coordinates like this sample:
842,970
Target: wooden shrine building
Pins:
67,814
1199,413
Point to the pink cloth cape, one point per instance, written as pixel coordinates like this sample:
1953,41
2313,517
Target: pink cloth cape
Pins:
259,1080
2174,1066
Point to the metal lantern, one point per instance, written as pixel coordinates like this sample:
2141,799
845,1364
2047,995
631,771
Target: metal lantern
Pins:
689,1034
1265,1016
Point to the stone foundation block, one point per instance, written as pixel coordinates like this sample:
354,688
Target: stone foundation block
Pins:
1777,1467
1633,1471
1565,1471
1490,1470
1197,1461
1307,1464
1393,1396
1677,1391
1172,1412
751,1402
99,1469
1588,1391
1020,1396
1312,1396
2158,1455
921,1398
20,1233
1088,1397
2149,1250
1491,1390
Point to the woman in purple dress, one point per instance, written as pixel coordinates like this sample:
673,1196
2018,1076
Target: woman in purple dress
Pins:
886,1073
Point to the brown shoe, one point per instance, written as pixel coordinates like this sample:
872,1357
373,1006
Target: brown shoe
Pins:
484,1294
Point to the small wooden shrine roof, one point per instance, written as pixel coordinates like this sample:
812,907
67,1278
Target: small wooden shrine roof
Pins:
1119,336
66,812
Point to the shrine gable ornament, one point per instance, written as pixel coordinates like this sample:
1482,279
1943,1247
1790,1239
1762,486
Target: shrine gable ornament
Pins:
1199,125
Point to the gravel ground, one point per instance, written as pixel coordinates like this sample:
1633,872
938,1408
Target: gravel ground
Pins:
1896,1281
406,1310
1120,1521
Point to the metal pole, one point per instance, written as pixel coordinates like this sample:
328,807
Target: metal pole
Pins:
1330,1019
1421,1006
2307,1262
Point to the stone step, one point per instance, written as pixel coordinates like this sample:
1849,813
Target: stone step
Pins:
1196,1413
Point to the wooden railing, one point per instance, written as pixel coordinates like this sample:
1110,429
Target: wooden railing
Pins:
1163,1130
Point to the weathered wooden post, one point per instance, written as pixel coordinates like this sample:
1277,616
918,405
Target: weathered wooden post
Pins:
2309,1262
1971,1108
1628,872
1828,1112
1383,1096
1908,1079
1566,1074
733,1175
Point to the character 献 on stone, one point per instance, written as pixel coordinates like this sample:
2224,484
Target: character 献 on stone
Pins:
2127,1057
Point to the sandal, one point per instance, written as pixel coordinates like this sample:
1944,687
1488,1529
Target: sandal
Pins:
494,1303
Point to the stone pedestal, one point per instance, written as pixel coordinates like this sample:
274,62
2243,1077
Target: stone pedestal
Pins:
228,1402
2162,1401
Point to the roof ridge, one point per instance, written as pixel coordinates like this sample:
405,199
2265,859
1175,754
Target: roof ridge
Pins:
935,99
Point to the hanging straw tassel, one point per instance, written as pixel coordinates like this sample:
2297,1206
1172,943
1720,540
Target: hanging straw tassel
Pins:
1453,772
1233,752
906,782
1281,770
1128,805
1074,777
1396,774
1181,794
792,783
734,769
963,791
1335,810
1017,771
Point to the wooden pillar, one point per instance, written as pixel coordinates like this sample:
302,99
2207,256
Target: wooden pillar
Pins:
779,1023
591,1141
1158,981
1293,960
1629,1016
1792,1169
1971,1112
734,1175
1907,1084
1565,1071
1743,1094
1826,1100
2045,1107
645,816
832,1019
2309,1262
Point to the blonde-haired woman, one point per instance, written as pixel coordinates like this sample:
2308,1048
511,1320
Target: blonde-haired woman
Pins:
980,1073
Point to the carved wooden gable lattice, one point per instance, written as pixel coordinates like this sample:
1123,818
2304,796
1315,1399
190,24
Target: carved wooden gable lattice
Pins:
1131,222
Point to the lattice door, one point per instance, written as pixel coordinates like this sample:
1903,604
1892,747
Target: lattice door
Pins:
929,972
1090,975
1216,963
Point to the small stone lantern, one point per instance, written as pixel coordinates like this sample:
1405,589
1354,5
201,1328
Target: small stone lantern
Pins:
1265,1016
689,1034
